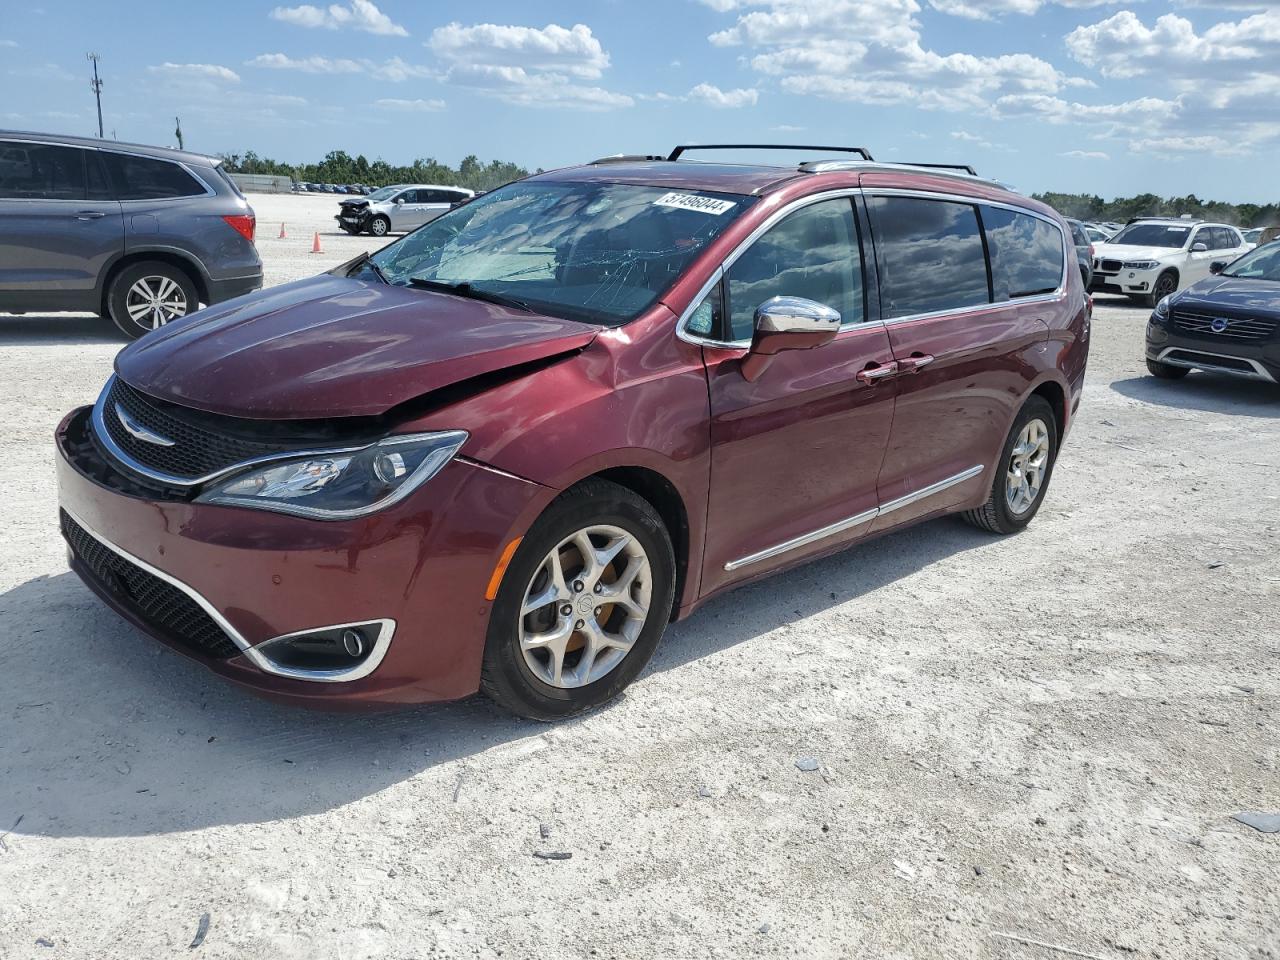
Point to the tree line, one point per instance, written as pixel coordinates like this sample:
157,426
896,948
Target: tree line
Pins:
340,167
1083,206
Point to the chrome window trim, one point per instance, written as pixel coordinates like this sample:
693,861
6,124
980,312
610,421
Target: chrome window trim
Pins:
773,219
856,520
1259,371
103,436
381,644
208,190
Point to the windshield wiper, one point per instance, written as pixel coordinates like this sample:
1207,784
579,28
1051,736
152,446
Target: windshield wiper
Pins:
465,289
366,260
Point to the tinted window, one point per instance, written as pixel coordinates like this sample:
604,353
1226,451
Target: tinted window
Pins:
1026,253
930,255
1078,236
37,171
813,253
145,178
96,185
435,196
1172,235
1228,239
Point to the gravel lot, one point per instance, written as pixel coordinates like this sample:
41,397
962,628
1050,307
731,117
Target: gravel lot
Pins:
1040,738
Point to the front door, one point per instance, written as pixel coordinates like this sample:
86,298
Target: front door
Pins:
1199,261
958,338
796,452
58,229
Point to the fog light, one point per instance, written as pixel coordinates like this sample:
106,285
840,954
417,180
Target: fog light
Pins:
353,643
325,649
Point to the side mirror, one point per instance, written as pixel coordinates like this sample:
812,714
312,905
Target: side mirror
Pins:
399,201
1217,266
788,323
1199,247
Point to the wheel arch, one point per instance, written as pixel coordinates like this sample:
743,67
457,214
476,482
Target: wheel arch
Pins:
1056,396
184,262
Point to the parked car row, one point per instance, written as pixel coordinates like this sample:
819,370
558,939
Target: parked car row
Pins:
358,189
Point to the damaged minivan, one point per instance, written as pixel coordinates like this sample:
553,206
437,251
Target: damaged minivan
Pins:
504,451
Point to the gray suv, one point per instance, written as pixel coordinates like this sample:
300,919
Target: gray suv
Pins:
140,234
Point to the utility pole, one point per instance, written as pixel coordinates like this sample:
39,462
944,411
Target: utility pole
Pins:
96,86
177,132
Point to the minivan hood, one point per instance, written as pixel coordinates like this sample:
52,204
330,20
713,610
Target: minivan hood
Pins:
336,347
1255,297
354,202
1125,251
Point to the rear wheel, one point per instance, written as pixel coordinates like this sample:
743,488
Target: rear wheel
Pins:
582,605
146,296
380,226
1024,469
1166,371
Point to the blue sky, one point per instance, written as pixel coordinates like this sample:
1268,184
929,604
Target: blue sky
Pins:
1106,97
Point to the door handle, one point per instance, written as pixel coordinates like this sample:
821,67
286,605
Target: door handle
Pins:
876,371
915,362
90,215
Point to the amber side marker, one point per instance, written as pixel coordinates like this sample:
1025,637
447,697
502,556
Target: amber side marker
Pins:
496,580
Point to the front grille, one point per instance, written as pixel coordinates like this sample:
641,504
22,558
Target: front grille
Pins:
196,451
152,600
1111,266
1237,328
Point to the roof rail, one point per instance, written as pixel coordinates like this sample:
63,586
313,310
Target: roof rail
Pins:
626,158
685,147
827,166
963,167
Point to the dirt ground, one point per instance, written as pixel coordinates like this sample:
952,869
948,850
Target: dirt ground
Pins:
1040,738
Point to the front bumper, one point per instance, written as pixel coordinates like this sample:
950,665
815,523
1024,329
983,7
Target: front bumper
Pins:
1123,280
353,220
423,564
231,287
1248,360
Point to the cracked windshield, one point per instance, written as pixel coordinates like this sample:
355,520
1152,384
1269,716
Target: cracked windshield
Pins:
602,253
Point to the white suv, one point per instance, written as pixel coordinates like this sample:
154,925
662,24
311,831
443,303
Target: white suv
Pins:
1155,256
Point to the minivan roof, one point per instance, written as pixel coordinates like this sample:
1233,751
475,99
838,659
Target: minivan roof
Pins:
146,150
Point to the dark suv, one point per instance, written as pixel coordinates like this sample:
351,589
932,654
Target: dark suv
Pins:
141,234
503,452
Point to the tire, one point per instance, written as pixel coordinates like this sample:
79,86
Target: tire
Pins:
524,682
173,293
1000,514
379,226
1166,284
1166,371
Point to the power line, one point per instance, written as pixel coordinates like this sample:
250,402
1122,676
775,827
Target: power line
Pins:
96,86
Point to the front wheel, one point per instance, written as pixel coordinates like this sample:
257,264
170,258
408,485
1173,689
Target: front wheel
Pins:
1166,284
379,226
146,296
582,605
1166,371
1024,469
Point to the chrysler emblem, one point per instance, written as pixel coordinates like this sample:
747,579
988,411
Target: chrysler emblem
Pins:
1219,324
138,430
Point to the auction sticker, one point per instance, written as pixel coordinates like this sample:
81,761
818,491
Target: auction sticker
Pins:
688,201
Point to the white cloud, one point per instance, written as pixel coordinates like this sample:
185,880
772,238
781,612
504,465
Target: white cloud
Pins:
394,70
527,66
724,99
573,50
8,43
788,128
410,106
358,15
1199,144
992,9
872,51
1085,155
198,71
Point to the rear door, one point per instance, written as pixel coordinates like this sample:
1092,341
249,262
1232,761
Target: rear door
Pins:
960,334
795,453
436,202
59,227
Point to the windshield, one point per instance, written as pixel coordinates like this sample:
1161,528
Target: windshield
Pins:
599,252
384,193
1153,235
1262,263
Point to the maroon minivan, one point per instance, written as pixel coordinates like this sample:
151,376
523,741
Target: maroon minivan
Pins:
501,453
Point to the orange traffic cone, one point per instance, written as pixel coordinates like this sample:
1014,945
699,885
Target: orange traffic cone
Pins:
315,244
282,234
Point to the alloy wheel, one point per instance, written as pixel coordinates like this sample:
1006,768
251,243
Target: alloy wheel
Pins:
585,606
1027,464
153,301
378,228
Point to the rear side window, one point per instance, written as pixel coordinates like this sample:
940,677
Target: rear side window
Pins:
39,171
930,255
146,178
1026,253
813,253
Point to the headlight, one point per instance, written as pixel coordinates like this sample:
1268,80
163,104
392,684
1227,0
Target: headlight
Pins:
342,484
1141,264
1162,308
